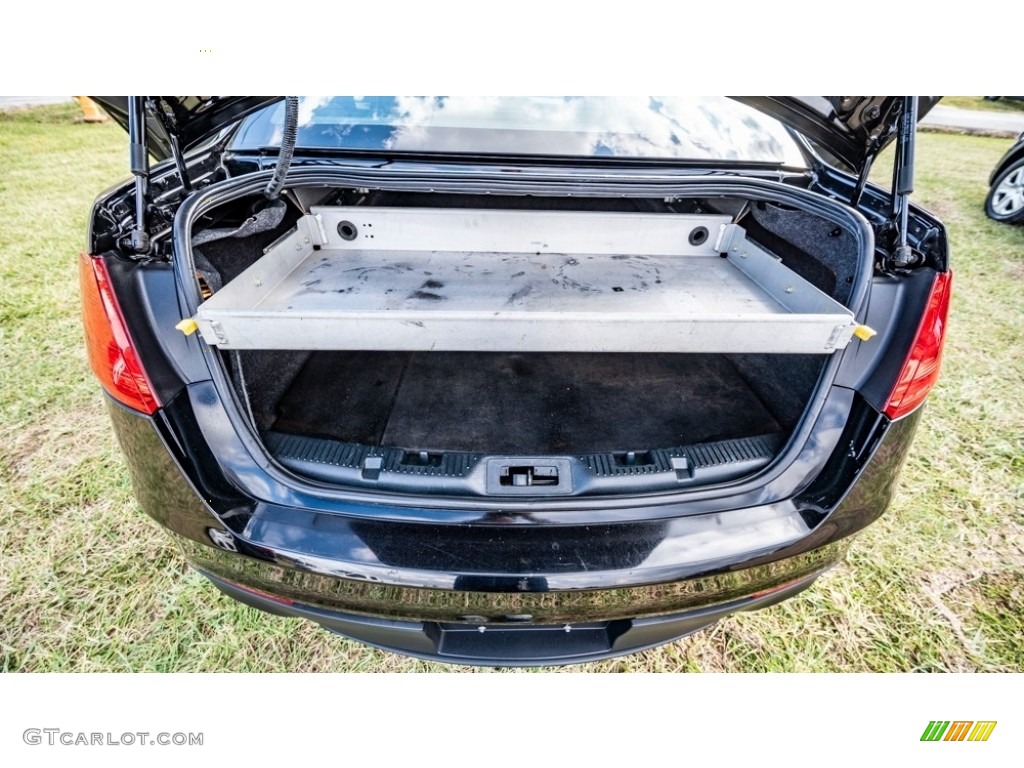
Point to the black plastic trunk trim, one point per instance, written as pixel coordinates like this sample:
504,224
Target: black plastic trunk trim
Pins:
400,469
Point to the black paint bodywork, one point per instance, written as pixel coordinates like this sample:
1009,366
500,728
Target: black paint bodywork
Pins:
484,580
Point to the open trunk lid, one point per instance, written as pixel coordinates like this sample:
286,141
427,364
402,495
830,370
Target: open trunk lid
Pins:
853,128
185,120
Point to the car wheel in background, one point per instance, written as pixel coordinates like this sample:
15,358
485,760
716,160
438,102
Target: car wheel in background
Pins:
1005,200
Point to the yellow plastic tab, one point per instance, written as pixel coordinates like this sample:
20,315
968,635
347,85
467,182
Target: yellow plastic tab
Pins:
188,326
864,333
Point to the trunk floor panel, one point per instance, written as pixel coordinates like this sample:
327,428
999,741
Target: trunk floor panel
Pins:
519,404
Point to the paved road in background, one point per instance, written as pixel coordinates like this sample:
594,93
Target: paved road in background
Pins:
975,120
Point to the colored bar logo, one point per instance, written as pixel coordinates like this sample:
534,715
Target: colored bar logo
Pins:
958,730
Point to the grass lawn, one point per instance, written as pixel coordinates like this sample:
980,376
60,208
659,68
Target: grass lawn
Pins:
89,583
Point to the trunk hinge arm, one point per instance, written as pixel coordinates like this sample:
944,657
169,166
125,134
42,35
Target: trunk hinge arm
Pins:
138,240
896,225
179,161
874,141
166,116
903,184
858,190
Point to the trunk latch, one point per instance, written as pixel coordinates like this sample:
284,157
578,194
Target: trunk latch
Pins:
529,476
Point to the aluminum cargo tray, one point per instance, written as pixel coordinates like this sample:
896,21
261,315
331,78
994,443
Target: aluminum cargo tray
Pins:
521,281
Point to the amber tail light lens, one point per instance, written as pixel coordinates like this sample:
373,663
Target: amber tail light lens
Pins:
111,352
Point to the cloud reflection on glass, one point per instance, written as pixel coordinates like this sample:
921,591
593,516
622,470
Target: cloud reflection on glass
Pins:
668,127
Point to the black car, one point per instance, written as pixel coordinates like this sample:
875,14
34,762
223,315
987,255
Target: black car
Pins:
514,381
1005,199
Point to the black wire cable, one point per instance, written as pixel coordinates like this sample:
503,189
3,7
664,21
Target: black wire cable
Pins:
288,138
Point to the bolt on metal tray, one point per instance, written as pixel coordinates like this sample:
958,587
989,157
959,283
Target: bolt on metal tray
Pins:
521,281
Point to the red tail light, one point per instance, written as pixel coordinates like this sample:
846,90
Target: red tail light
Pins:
110,348
921,369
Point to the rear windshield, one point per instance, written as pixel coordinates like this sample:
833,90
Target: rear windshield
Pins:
692,128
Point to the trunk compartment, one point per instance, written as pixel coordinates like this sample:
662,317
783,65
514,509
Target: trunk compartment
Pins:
537,403
447,344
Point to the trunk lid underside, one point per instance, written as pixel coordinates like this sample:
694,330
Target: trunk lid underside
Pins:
853,128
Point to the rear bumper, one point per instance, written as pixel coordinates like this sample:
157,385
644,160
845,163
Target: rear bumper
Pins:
427,589
485,599
512,644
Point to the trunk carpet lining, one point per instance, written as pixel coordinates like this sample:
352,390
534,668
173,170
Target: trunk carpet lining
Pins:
520,404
